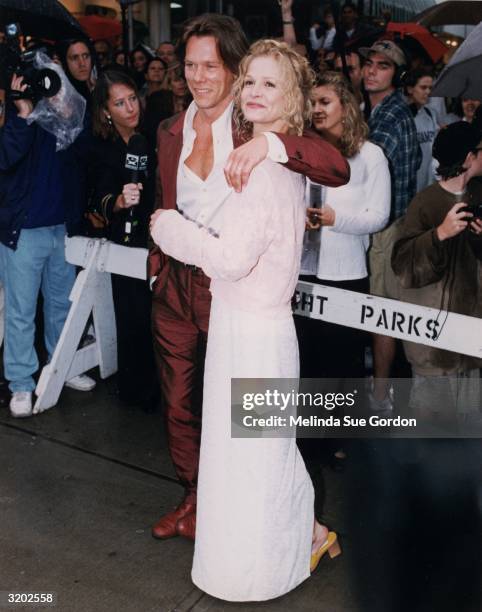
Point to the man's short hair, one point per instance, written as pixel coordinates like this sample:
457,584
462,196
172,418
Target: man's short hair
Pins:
231,40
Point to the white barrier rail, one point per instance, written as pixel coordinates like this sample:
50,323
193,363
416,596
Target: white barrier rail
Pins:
92,294
420,324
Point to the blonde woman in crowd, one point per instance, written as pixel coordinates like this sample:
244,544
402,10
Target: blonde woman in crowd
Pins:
341,225
340,222
256,536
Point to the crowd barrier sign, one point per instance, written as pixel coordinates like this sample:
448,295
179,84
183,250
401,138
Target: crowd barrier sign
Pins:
92,295
420,324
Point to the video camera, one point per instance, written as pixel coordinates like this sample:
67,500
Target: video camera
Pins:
41,83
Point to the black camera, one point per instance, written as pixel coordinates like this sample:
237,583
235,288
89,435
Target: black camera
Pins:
476,210
41,83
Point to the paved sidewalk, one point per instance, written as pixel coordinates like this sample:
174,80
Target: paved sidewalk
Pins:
80,486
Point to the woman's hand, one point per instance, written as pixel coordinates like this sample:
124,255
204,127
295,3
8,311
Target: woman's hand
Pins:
316,217
243,160
286,6
24,107
454,222
130,196
154,217
96,220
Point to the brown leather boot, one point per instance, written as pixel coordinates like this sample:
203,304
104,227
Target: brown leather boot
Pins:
187,526
166,526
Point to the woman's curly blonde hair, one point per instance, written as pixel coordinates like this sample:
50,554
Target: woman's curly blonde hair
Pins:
297,82
355,128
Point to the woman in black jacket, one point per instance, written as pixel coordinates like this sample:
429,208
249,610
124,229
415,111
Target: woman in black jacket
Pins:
125,207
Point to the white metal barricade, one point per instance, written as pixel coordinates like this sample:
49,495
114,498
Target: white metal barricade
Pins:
91,294
420,324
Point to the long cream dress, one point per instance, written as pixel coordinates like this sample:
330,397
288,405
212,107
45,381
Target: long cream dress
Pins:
255,497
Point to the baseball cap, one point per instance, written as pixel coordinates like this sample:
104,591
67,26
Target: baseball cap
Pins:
454,142
387,48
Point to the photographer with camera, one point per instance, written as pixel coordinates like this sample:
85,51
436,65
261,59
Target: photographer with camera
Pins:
437,260
42,200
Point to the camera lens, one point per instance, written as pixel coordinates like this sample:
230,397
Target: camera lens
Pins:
11,30
47,83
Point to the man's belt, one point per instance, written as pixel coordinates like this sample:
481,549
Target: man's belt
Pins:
180,264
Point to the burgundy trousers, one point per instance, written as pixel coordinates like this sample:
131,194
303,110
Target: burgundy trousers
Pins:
180,319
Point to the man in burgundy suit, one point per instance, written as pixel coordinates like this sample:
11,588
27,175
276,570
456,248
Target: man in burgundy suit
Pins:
197,169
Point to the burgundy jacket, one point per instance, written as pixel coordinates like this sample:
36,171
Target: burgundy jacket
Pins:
309,155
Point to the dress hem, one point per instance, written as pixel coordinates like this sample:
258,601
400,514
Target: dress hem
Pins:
225,597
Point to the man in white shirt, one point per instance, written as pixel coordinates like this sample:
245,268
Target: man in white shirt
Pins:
325,41
197,171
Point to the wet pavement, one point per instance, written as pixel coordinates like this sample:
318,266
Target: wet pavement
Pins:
80,487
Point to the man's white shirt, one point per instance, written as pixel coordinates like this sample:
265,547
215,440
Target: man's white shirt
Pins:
201,201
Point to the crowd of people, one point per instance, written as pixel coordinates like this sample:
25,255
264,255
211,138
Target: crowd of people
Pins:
262,169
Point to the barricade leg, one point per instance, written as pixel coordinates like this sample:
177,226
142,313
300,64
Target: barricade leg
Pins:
92,292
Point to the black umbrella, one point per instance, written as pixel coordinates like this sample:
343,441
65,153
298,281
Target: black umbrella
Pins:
47,19
451,12
462,76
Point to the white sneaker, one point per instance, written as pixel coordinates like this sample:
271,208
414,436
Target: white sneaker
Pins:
21,404
384,406
81,383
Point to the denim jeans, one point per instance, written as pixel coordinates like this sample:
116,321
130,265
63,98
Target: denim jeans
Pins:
1,309
37,264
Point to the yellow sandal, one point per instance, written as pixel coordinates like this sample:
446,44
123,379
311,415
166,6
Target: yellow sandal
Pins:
331,545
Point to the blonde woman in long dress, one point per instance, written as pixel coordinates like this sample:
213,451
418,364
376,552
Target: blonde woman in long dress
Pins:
256,535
